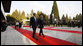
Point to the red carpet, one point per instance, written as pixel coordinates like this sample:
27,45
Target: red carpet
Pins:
26,26
70,31
47,40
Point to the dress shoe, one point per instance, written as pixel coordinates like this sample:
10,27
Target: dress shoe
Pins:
39,34
36,39
43,35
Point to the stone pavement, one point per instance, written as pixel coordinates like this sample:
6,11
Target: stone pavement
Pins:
13,37
71,37
70,28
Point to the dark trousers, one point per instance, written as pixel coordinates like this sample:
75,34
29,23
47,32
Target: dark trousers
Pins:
16,26
34,32
19,26
41,31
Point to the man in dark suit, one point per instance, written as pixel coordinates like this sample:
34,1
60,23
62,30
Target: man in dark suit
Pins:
33,23
41,24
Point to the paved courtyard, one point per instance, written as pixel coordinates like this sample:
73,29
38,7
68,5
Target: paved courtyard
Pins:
13,37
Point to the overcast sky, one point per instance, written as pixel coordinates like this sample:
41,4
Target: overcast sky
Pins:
65,7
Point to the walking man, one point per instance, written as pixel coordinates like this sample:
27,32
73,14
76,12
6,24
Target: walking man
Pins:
33,24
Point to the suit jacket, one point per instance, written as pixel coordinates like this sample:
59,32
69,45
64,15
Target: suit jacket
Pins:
41,23
33,23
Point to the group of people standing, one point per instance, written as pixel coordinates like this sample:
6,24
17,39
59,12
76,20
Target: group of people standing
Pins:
75,23
34,23
18,24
